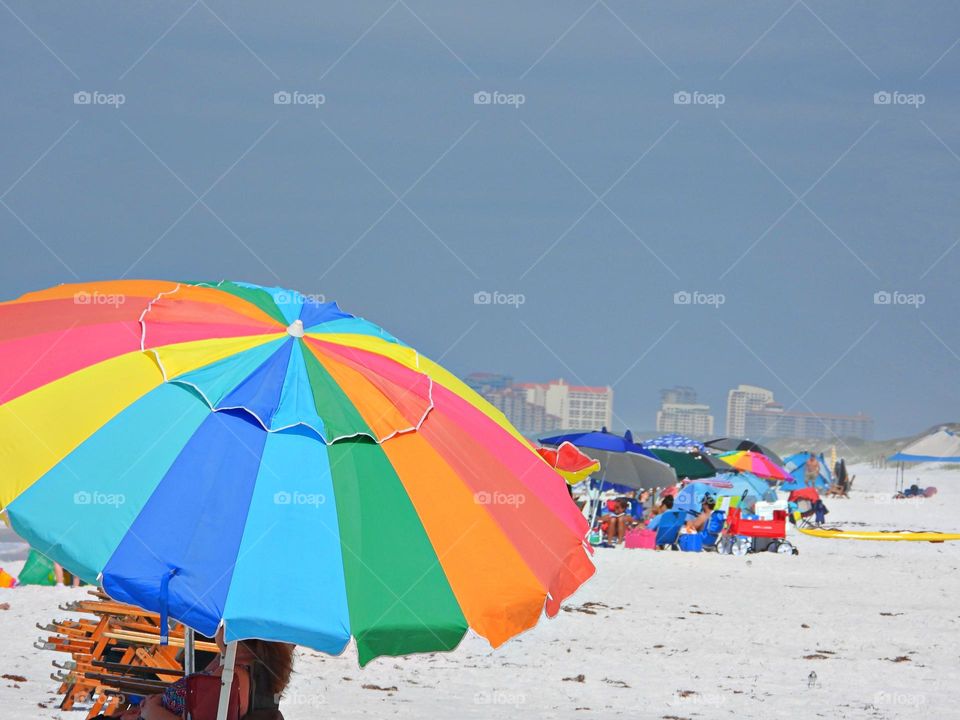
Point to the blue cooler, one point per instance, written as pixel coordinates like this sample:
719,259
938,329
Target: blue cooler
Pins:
691,543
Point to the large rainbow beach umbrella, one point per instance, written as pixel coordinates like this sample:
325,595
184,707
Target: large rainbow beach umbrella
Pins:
248,456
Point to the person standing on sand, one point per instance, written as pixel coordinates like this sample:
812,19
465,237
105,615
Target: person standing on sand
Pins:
58,576
811,470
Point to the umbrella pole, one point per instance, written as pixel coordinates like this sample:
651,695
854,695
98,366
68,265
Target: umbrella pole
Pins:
596,502
226,681
189,658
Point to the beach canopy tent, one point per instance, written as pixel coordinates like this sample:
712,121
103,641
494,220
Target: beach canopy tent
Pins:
941,446
674,441
693,465
729,444
794,465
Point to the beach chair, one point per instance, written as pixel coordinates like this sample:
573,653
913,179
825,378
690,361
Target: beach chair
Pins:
802,505
710,535
115,655
669,526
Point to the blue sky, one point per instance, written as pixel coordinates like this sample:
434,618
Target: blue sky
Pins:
785,187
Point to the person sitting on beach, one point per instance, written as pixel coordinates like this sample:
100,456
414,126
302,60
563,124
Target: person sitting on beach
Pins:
618,521
646,503
700,521
666,503
262,670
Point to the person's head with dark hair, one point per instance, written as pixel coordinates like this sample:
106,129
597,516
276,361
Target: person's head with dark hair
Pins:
276,658
668,502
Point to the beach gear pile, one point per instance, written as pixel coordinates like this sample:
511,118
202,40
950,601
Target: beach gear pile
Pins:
730,495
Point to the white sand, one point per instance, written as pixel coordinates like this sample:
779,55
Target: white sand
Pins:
675,635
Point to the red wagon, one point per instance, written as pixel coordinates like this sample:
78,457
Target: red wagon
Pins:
743,536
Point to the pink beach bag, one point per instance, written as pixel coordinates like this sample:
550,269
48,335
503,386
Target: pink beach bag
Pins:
640,538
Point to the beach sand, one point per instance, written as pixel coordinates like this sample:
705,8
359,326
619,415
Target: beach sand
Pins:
657,635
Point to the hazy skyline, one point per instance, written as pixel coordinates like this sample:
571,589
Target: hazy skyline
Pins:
787,187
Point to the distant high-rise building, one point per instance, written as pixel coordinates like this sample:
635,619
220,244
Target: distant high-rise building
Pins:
682,394
773,422
542,407
483,382
579,407
740,400
526,416
681,413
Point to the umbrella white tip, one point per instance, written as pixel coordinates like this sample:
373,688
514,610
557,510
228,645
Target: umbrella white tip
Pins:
295,329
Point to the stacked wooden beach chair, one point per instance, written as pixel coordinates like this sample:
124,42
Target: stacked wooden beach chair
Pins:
115,653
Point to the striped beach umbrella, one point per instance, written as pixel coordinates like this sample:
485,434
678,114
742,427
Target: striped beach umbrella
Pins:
253,457
754,462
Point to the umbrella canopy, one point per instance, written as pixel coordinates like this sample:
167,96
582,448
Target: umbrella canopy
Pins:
601,439
675,441
572,465
755,463
690,498
692,465
730,444
624,462
736,484
248,456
